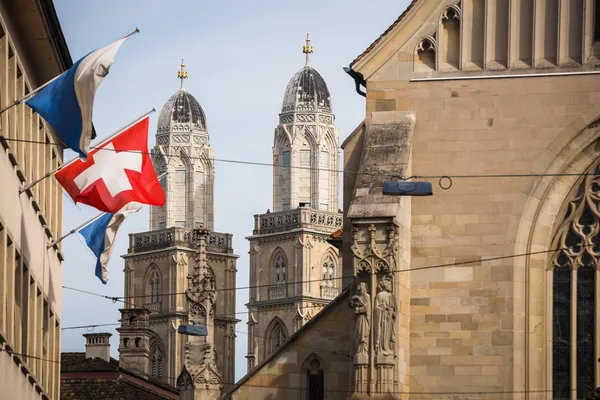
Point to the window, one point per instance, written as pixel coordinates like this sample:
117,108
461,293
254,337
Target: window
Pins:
579,239
286,159
277,335
280,269
157,368
154,286
328,272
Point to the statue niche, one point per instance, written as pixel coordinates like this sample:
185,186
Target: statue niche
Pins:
384,319
361,303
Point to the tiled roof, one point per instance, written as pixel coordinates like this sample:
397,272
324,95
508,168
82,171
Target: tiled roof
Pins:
97,379
337,234
396,22
76,362
106,389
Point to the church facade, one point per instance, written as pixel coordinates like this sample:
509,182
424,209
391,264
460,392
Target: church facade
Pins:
489,289
165,266
294,270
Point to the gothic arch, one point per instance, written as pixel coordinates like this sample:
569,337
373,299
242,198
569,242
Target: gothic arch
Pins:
153,284
158,357
313,377
278,267
329,261
276,335
573,151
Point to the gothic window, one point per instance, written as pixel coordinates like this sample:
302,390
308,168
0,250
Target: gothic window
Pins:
328,272
574,297
157,361
280,269
277,335
154,286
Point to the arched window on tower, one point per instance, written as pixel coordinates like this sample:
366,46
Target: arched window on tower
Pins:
156,359
574,296
280,269
154,286
180,196
276,335
328,270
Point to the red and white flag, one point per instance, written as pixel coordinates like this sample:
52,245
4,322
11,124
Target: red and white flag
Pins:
117,172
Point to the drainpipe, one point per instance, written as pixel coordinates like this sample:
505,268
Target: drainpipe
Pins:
358,80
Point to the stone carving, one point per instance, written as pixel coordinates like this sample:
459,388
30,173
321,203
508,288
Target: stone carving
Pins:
384,319
326,119
361,303
287,220
176,236
305,117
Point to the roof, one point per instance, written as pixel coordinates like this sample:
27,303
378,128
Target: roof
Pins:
95,378
306,91
303,329
182,113
76,362
337,234
384,34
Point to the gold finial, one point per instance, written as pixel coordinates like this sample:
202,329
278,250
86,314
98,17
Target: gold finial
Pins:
182,74
308,49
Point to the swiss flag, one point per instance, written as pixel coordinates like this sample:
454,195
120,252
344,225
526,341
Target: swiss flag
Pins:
116,173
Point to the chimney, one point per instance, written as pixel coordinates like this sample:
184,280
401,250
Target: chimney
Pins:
97,345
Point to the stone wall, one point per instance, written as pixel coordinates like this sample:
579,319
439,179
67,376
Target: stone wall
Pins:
468,322
328,338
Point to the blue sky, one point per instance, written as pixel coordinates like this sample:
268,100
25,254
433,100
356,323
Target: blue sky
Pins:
240,56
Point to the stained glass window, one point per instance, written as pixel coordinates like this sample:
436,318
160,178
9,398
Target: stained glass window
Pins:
578,237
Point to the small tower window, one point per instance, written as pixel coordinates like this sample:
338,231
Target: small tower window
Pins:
280,269
328,272
154,286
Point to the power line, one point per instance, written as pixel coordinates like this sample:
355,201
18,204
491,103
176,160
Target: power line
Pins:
391,175
249,385
474,261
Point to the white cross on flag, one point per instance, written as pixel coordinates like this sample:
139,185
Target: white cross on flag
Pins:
116,173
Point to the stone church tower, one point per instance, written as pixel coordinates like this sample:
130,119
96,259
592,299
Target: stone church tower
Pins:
161,263
294,268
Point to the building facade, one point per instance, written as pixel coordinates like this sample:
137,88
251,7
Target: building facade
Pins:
489,288
32,51
160,263
294,271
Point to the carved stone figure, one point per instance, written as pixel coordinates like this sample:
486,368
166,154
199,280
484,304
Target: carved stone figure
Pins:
384,319
361,303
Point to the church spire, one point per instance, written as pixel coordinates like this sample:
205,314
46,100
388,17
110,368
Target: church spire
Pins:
182,74
308,49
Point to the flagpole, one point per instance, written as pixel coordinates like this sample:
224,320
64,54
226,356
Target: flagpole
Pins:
33,92
72,231
86,223
55,170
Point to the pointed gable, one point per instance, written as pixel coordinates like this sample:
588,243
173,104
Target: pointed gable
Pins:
434,38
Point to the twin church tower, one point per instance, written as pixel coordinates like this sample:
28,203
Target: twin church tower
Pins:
182,272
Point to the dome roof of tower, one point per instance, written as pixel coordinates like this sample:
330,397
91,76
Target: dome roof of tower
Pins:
306,91
182,112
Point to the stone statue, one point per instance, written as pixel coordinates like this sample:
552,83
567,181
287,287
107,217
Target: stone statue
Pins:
384,319
361,302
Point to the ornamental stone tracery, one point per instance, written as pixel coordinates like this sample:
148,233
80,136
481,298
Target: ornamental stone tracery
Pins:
577,261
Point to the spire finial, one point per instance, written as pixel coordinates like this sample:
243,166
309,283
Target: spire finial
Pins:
182,74
308,49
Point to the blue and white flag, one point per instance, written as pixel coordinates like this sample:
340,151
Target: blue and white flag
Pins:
100,236
68,101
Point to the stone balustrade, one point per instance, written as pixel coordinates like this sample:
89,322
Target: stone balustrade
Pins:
277,292
301,217
175,236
